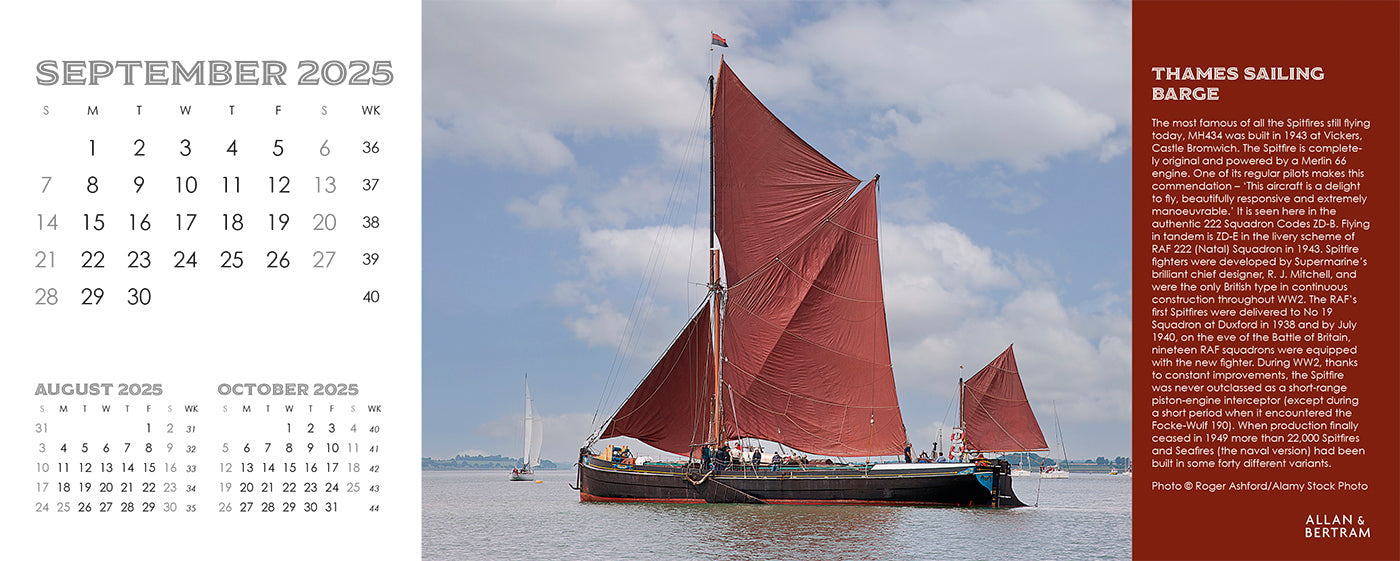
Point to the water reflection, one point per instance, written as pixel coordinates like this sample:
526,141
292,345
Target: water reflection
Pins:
788,531
482,516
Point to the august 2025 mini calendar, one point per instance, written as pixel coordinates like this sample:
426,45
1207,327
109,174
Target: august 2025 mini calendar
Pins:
210,289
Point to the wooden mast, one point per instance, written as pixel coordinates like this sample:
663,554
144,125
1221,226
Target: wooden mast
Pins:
716,291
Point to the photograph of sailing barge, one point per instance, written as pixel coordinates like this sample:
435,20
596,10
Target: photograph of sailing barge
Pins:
791,347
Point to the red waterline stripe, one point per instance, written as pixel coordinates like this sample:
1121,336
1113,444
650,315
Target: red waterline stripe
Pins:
857,502
587,498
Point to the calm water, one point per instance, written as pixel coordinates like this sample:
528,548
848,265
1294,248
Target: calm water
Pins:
481,515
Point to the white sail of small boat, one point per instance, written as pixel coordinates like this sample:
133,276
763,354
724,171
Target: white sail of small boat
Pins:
1019,470
1056,471
534,440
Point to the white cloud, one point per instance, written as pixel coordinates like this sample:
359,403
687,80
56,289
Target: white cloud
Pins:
599,324
659,271
639,194
965,124
1079,360
494,138
957,82
967,82
937,248
529,75
911,202
563,434
546,209
949,301
897,53
1006,84
674,257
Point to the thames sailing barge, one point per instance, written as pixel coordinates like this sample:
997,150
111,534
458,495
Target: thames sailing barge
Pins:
791,348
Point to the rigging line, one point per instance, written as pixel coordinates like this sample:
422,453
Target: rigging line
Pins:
785,331
706,110
694,228
989,395
871,238
757,378
855,187
998,424
802,240
631,330
738,432
1000,369
813,284
640,306
796,425
1060,435
698,394
1038,480
656,266
653,367
944,422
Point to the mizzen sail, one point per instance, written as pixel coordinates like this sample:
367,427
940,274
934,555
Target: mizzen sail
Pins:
996,415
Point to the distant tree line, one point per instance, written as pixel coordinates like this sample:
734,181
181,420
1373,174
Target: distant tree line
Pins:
497,462
1098,464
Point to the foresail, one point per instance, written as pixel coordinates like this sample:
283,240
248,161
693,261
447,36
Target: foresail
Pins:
771,187
807,359
669,409
996,415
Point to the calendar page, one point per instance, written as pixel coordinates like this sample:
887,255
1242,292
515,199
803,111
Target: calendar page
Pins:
211,280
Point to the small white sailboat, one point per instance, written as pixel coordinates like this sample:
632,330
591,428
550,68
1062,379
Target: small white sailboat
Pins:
1019,470
1055,471
534,435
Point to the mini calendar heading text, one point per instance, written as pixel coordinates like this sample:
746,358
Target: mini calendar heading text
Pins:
212,73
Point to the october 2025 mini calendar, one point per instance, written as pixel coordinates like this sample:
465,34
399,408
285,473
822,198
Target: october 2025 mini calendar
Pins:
211,280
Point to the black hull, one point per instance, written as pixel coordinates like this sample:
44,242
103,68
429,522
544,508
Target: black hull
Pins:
987,484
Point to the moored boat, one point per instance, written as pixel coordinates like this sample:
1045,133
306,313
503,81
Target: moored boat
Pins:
1056,471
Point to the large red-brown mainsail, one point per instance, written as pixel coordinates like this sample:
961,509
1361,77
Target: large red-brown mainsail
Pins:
806,347
670,408
996,415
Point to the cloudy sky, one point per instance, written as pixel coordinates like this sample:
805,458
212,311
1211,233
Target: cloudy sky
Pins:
564,163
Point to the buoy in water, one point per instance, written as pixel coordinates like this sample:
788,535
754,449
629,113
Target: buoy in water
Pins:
539,481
